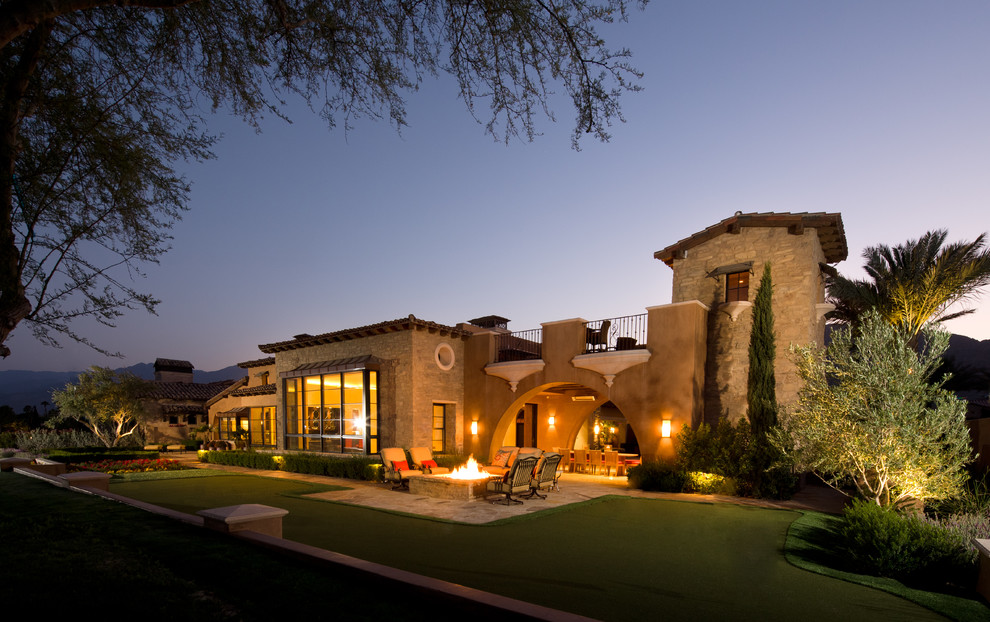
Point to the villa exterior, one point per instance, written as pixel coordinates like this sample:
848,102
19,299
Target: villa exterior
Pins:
474,387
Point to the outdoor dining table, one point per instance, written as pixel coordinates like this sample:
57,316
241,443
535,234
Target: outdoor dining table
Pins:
625,459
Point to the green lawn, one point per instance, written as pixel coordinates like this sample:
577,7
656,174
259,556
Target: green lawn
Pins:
65,555
615,559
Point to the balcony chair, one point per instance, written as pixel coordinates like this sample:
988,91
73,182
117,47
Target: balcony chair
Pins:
598,339
422,459
516,481
395,468
545,476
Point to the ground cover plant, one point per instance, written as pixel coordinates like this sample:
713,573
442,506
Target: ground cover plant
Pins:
615,559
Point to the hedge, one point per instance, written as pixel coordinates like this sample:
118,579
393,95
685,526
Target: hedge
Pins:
359,467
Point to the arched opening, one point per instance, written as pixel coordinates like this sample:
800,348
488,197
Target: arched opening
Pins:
548,416
606,428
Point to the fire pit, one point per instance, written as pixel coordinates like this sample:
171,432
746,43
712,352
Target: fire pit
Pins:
464,483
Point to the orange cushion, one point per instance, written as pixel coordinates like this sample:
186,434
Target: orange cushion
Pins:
401,466
430,463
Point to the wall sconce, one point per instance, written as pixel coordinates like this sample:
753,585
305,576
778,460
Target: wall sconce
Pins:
551,419
474,428
597,429
665,428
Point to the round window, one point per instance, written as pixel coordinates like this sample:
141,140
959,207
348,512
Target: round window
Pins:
444,356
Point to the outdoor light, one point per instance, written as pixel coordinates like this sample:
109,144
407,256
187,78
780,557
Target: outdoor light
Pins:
598,428
474,428
551,419
665,428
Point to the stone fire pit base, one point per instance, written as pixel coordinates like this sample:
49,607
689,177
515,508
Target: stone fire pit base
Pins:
447,488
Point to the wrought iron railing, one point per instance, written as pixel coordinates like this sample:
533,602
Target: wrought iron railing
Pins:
617,333
525,345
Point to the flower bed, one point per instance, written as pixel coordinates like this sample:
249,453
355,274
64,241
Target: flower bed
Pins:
130,466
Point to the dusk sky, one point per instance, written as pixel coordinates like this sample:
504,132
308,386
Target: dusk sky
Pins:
877,110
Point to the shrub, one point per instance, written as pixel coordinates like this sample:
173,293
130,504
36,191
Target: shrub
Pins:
8,439
357,467
248,459
882,542
654,475
708,483
75,455
42,440
450,461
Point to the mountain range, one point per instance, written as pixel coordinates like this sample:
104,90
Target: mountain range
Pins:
30,388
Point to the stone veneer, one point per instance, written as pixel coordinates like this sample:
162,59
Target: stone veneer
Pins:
409,382
798,286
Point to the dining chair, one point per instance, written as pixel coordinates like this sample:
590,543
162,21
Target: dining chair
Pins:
595,460
580,460
611,462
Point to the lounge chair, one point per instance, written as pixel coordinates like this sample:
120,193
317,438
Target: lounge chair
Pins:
395,468
422,459
516,481
545,476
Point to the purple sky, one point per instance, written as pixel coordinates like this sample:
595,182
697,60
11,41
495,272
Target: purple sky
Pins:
878,110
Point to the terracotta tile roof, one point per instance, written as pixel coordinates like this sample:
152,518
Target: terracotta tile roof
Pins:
828,225
257,362
264,389
409,323
187,390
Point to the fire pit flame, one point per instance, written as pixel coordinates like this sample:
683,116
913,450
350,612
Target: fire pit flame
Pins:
468,471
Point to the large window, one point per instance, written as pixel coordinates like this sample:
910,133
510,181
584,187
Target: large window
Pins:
262,427
737,286
334,412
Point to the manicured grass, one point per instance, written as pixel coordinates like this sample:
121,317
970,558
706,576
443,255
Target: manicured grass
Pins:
617,558
65,555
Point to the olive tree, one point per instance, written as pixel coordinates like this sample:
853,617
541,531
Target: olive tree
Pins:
107,403
871,414
102,97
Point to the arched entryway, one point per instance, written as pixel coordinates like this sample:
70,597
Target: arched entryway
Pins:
607,428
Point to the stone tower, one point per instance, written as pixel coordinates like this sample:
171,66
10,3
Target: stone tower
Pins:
721,267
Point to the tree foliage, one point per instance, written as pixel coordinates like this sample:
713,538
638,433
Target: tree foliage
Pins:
107,403
102,97
913,283
869,413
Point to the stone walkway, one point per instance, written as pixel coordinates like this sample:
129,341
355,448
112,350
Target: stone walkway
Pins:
574,488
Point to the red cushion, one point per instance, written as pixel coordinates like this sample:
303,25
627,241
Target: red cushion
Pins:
401,466
430,463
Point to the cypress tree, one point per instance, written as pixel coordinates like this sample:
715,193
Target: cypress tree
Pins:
761,391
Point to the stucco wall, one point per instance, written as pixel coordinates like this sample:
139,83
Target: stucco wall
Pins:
798,288
667,386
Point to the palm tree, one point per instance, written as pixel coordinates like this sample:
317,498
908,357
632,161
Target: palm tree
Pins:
914,283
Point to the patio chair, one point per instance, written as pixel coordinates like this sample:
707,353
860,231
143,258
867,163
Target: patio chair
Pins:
422,459
395,468
545,476
516,481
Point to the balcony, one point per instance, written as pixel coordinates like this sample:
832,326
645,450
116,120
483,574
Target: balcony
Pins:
615,334
525,345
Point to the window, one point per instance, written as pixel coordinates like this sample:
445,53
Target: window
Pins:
737,286
262,427
439,428
333,413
